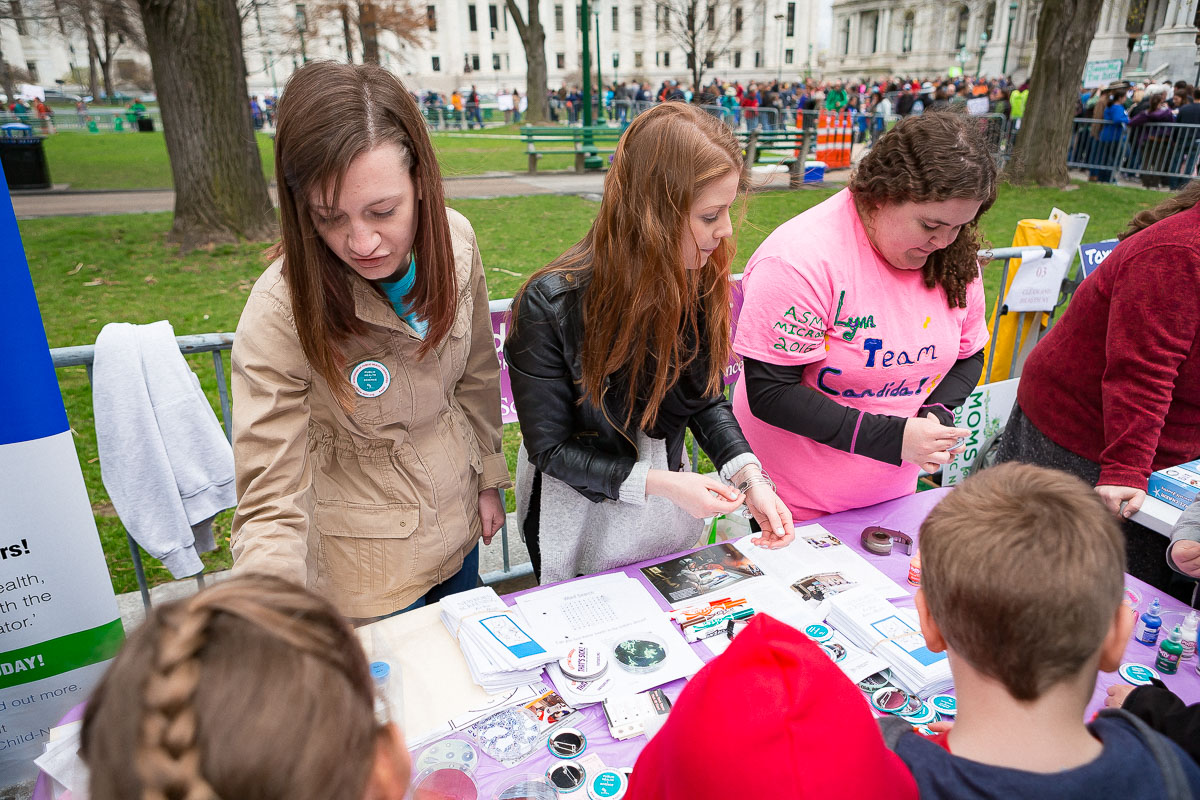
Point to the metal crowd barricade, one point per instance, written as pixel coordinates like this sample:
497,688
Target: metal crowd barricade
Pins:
216,343
1155,150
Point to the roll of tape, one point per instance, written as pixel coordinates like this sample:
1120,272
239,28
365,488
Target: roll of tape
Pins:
877,541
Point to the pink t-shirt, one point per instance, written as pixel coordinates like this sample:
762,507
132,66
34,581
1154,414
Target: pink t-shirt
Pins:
874,337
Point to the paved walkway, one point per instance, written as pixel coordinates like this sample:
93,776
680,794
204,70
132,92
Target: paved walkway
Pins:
61,201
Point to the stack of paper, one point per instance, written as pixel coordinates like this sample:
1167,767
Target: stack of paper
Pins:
494,638
893,634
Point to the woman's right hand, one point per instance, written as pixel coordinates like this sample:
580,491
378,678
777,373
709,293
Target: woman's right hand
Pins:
1186,556
698,495
929,444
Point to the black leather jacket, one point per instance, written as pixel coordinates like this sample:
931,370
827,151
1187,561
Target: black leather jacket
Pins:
581,444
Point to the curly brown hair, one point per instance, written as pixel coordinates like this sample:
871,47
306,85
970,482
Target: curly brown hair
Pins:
935,156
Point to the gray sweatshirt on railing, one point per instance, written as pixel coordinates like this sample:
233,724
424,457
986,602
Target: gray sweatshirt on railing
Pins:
164,460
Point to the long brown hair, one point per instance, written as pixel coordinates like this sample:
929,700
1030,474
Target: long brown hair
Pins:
254,687
642,304
1184,199
928,158
328,115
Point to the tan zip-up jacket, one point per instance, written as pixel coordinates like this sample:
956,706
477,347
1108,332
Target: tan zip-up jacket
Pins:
374,508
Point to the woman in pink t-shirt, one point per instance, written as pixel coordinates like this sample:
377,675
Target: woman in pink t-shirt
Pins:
863,322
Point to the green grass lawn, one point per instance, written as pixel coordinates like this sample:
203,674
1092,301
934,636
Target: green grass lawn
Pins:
92,270
139,160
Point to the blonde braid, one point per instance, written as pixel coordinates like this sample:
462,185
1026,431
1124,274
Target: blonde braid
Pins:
167,758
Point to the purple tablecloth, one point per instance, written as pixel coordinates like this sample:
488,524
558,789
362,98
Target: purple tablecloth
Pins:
904,514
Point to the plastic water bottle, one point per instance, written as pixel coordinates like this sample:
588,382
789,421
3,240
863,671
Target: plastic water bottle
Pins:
389,693
1190,625
1149,625
1169,652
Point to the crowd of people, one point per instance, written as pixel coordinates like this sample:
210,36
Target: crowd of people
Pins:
367,443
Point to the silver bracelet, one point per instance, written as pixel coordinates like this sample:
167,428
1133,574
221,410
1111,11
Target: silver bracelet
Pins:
760,479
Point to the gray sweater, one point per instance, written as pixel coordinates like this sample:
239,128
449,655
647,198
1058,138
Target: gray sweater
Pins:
1186,530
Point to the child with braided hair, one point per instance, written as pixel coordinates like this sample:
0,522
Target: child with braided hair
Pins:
251,688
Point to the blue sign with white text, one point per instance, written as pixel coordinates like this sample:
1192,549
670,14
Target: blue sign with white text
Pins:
1091,255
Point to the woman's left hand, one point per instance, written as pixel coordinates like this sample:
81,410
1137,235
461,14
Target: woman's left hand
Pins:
491,513
1114,496
772,516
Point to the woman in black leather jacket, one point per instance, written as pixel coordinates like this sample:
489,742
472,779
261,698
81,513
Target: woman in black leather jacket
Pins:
619,346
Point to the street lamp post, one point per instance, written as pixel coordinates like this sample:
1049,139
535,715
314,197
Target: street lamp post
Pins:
271,63
779,18
593,160
982,44
1012,17
301,25
599,80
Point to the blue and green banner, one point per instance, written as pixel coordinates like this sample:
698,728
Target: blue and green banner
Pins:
59,624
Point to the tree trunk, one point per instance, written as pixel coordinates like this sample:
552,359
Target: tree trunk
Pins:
106,63
368,30
533,38
1065,31
345,12
195,51
93,75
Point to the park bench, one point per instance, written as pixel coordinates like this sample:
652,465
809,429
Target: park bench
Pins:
581,142
788,148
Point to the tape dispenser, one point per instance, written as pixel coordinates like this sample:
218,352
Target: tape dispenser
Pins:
881,540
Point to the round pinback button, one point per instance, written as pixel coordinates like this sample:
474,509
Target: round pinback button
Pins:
567,743
567,777
583,662
890,700
818,632
922,716
1137,674
944,704
873,683
834,650
370,379
609,784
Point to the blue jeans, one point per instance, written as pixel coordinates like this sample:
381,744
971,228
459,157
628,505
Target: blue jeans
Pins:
464,580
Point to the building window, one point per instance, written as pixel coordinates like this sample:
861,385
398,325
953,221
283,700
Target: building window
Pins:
19,19
737,59
637,18
737,19
493,17
31,68
637,60
496,62
437,64
711,18
709,59
560,59
616,17
788,55
758,59
870,21
989,20
558,18
791,19
666,58
472,22
578,17
960,35
475,62
431,17
906,39
846,37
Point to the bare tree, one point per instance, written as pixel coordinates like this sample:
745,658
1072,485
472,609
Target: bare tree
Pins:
200,72
703,29
1064,33
370,19
106,26
533,39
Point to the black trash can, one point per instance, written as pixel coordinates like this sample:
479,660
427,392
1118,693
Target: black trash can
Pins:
23,158
145,125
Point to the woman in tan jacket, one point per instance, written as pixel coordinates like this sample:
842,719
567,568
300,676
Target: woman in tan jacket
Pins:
365,381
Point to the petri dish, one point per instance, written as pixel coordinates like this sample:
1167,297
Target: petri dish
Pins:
444,783
640,653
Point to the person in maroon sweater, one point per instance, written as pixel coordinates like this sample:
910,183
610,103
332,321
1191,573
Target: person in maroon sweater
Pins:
1112,392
